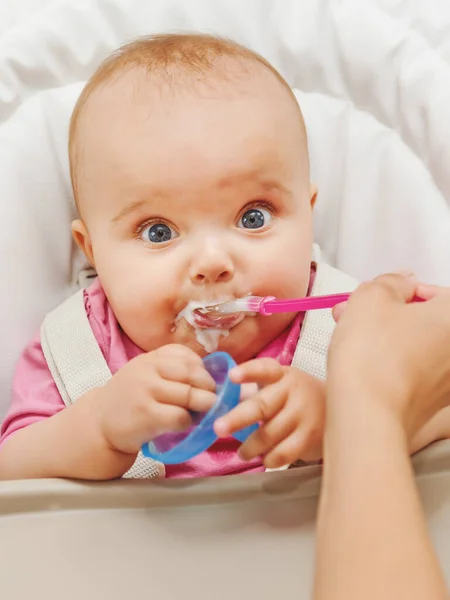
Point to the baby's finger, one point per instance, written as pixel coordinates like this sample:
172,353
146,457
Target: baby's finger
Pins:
288,451
169,418
184,396
259,408
194,375
260,370
177,353
271,434
200,400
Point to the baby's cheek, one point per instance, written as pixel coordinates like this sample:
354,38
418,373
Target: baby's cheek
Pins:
289,275
292,282
140,309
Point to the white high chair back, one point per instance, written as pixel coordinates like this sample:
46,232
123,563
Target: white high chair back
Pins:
375,93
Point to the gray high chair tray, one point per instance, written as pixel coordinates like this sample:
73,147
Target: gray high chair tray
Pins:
243,537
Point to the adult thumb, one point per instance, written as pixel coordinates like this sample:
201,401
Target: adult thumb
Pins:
399,286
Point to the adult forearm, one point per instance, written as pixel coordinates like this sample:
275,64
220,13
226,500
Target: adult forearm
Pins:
372,537
67,445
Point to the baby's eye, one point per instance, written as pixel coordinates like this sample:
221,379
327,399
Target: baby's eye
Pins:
255,218
158,233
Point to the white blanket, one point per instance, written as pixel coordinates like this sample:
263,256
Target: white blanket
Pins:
14,13
374,83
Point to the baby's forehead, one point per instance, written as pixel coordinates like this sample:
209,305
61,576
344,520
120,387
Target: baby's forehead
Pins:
119,109
172,64
134,103
132,85
134,100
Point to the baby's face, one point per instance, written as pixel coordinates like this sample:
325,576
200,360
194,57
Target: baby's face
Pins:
195,197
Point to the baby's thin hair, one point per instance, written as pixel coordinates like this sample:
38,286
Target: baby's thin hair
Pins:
169,57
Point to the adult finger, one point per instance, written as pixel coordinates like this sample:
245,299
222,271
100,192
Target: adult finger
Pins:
338,310
391,286
396,286
428,292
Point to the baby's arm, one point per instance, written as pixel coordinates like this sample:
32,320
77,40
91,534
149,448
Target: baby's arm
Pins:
100,435
68,444
40,438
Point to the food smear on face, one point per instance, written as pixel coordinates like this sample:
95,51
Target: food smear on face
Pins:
208,328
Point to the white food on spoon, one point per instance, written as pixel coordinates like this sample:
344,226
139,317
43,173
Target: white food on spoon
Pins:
207,337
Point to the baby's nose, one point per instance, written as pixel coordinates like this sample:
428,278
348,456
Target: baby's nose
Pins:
213,266
207,276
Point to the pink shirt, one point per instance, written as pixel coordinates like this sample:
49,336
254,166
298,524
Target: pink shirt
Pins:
36,397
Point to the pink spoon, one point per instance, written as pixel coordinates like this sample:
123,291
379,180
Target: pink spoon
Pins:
270,305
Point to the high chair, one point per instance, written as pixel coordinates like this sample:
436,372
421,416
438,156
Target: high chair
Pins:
373,83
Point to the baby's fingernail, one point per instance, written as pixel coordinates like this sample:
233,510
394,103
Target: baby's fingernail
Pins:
235,373
220,428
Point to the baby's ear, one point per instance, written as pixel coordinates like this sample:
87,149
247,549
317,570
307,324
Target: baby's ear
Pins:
82,239
313,194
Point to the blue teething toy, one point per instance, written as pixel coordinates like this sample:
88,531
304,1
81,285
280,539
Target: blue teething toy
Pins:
175,448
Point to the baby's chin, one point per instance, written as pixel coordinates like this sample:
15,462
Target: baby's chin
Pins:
242,342
202,340
253,335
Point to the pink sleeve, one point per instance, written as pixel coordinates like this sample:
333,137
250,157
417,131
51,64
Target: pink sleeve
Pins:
34,394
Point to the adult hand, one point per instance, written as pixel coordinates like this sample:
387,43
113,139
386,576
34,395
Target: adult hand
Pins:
397,351
388,373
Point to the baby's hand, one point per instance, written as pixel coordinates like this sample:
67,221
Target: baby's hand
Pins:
290,409
151,395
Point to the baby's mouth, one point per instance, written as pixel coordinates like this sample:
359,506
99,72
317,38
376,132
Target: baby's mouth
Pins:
216,320
208,327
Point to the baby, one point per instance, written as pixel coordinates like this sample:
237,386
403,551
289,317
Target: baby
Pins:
190,171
